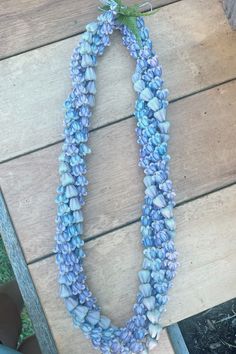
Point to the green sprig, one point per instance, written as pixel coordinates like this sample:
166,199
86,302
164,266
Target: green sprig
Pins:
126,15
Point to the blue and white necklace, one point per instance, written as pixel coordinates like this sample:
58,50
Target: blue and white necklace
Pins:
141,332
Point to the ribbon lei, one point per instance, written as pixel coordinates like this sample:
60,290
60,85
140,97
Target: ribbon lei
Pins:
141,331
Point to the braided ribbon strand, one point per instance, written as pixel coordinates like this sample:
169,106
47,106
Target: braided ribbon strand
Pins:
142,330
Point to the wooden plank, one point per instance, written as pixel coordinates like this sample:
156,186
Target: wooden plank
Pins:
197,51
230,10
27,24
206,244
24,280
203,151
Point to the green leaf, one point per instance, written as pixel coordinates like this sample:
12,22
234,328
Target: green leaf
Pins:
130,22
126,15
131,10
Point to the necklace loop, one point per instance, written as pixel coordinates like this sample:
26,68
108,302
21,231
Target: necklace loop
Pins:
142,330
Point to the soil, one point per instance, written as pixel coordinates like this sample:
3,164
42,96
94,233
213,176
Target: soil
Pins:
212,331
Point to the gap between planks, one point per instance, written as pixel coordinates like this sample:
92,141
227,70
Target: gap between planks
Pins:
196,51
29,294
34,25
198,166
122,226
206,244
121,119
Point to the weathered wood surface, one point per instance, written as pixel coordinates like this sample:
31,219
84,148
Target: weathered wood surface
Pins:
230,10
27,24
197,49
203,151
206,242
23,277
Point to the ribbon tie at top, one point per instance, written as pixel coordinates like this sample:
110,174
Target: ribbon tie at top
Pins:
126,15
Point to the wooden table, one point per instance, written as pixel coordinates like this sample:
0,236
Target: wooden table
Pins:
197,49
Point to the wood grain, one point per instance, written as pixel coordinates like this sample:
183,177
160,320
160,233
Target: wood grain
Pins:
206,244
203,151
27,24
197,50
